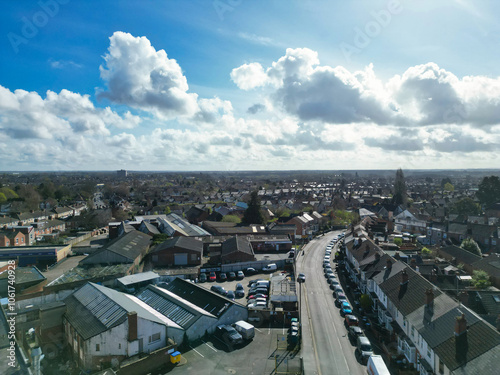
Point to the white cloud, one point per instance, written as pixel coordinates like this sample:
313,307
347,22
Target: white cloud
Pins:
141,77
249,76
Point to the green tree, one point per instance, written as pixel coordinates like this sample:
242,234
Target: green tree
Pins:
480,279
399,196
489,190
253,215
398,241
365,301
3,198
231,219
470,245
466,206
448,187
160,238
426,251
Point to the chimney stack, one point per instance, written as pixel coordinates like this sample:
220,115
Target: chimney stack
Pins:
132,326
389,264
377,256
404,277
413,263
460,325
429,297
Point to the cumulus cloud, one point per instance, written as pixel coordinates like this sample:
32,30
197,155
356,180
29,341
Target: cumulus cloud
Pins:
26,114
256,108
141,77
423,95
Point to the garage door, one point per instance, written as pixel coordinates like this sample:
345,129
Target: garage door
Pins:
180,259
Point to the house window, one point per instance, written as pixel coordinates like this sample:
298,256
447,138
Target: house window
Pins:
428,353
412,331
17,241
97,347
193,257
119,346
155,337
441,367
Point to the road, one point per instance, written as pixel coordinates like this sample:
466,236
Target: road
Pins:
326,348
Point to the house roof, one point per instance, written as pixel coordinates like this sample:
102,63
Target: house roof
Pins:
138,278
490,264
481,339
409,296
174,223
187,243
129,246
461,255
236,244
94,309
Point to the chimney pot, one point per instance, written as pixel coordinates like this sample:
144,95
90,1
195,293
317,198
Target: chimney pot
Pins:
429,297
404,277
460,325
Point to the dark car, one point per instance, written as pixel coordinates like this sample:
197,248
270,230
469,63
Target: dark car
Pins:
218,289
230,294
202,278
351,320
301,278
228,335
354,332
231,275
239,291
222,276
251,292
251,282
250,271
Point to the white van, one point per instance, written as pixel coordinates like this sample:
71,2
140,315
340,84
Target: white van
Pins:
245,329
270,267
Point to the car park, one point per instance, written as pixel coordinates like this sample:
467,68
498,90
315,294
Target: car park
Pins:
218,289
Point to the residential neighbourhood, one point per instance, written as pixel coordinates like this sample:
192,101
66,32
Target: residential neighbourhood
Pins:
138,281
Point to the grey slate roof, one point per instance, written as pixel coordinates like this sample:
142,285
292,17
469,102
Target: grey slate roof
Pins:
187,243
410,296
461,255
481,339
236,244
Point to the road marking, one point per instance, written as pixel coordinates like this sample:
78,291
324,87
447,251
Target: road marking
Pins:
211,347
258,330
312,333
196,351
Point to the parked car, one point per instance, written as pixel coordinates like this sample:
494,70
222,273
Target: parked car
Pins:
222,276
203,277
345,308
239,291
258,306
351,320
258,295
270,267
364,348
340,298
251,282
212,276
354,332
250,271
231,275
228,335
230,294
252,292
218,289
240,275
255,300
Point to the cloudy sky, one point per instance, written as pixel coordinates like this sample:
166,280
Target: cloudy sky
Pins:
249,84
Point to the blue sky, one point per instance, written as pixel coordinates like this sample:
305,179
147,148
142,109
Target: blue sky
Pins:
249,84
